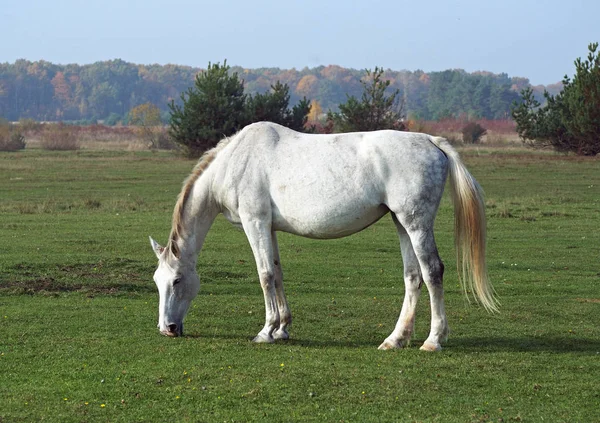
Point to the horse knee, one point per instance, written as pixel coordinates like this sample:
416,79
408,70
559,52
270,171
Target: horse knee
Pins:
267,279
412,276
436,272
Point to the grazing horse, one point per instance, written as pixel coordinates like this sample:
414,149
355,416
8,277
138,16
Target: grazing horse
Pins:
268,178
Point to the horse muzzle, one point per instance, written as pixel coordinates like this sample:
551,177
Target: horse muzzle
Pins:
173,330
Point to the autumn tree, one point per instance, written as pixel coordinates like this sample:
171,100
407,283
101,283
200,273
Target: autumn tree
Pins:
570,121
146,119
307,86
62,92
375,110
315,111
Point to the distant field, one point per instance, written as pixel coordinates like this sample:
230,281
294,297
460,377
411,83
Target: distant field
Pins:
78,308
499,133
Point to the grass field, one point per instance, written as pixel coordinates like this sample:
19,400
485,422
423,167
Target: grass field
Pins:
78,308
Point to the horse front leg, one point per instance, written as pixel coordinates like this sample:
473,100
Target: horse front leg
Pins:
285,315
259,237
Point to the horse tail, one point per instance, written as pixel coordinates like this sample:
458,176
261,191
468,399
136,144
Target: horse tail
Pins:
469,229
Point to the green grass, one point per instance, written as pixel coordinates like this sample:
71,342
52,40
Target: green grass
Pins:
78,308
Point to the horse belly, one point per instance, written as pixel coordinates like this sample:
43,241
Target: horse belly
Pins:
326,219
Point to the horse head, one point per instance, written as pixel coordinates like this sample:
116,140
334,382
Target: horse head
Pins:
178,284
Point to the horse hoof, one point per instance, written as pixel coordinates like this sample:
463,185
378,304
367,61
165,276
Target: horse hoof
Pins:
392,345
281,335
263,339
430,346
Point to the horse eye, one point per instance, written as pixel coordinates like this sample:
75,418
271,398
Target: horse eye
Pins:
176,281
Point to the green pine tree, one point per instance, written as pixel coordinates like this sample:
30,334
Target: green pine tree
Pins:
217,107
374,111
211,110
273,106
570,121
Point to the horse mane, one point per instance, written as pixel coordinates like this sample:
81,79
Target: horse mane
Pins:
203,163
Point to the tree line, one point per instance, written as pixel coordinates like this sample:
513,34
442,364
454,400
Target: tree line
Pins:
109,90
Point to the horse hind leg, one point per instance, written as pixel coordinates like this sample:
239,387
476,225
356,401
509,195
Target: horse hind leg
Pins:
418,228
432,270
285,315
413,281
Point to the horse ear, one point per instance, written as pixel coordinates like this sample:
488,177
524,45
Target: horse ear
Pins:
158,250
175,250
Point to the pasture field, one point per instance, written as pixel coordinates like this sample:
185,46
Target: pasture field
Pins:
78,308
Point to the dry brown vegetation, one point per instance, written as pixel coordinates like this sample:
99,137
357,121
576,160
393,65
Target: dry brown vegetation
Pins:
59,136
499,133
93,137
10,138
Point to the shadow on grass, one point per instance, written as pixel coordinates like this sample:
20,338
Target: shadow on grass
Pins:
559,345
547,344
296,342
51,286
105,277
552,344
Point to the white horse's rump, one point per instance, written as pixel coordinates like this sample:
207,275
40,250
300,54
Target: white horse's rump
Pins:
268,178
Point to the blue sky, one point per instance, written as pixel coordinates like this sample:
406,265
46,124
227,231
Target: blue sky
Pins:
534,39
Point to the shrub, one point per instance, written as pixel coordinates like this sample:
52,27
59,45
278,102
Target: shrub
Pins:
161,139
17,141
59,137
4,132
451,137
472,133
11,139
146,121
29,125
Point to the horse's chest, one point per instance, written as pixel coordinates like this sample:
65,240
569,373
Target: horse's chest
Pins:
233,217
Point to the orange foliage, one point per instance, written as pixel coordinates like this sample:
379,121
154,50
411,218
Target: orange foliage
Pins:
315,111
62,91
289,77
334,72
307,86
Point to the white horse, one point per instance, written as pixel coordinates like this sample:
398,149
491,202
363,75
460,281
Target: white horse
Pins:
268,178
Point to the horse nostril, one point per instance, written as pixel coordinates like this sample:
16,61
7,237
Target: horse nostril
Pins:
173,328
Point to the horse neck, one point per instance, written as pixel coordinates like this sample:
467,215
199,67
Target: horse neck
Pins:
198,216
